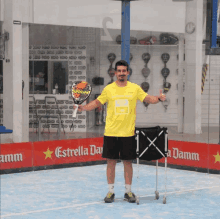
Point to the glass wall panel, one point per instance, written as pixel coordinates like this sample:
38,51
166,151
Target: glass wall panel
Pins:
55,63
1,78
176,63
212,118
212,104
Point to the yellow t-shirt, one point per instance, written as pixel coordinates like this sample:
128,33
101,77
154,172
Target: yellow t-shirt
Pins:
121,108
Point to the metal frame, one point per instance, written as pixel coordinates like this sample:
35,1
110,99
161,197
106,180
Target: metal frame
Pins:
48,114
34,108
164,155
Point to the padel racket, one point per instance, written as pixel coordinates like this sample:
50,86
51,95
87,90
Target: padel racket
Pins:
166,103
146,71
81,90
129,68
111,71
146,57
166,87
165,58
145,86
165,72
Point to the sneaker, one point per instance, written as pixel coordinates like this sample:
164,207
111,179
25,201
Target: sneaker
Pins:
130,197
110,197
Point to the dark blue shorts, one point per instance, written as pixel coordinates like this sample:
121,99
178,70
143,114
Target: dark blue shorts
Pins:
123,148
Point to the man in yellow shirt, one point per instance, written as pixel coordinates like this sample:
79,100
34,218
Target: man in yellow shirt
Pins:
119,137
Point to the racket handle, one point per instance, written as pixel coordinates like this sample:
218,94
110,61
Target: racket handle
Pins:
75,111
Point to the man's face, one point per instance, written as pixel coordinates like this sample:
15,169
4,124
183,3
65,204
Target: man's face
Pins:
121,73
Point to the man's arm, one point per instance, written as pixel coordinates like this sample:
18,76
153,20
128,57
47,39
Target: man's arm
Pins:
92,105
151,99
155,99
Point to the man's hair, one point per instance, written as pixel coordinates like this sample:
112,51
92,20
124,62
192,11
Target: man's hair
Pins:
121,63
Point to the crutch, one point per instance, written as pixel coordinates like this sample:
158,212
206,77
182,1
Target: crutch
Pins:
137,151
164,197
156,192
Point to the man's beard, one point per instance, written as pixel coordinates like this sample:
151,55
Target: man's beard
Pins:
122,78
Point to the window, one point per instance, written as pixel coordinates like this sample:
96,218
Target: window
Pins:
60,76
38,77
46,76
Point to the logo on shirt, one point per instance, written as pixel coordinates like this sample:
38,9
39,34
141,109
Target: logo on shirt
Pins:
121,106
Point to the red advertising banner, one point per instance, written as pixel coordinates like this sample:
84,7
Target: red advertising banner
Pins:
67,151
47,153
193,154
13,156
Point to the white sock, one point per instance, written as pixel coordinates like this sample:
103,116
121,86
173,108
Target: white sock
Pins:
111,188
127,188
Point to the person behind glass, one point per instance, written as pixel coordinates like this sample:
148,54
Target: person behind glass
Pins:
40,82
119,136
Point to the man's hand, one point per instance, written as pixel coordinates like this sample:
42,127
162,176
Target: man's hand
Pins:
162,96
80,108
90,106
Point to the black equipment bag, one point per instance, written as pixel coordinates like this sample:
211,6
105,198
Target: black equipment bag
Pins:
144,141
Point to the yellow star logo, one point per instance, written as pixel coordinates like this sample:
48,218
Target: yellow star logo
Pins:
217,157
48,154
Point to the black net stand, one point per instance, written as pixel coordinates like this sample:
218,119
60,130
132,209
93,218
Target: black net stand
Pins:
152,144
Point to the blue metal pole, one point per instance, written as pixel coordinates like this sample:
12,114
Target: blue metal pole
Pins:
125,32
214,23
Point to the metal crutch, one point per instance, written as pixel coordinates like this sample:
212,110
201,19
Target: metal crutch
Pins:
164,197
137,132
156,192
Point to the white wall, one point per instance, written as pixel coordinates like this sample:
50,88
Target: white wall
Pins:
149,15
23,10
